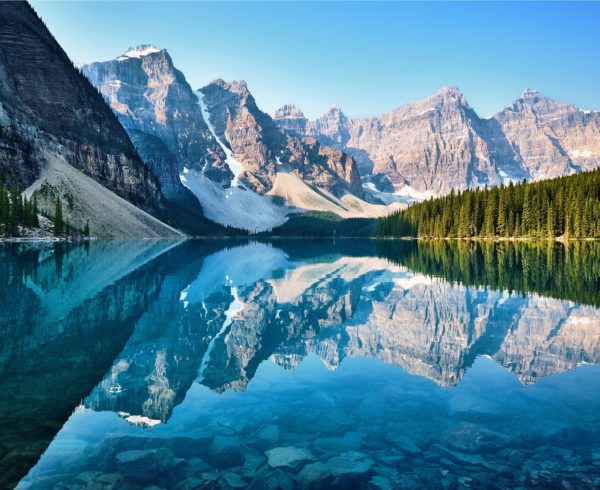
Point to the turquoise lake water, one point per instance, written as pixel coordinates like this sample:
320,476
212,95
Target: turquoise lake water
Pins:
348,364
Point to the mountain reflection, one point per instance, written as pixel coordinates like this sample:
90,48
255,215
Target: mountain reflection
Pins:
217,318
65,313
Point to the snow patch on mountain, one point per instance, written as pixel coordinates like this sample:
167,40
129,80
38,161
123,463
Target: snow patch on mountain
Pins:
408,191
139,52
409,281
580,153
139,420
406,195
235,307
236,206
234,165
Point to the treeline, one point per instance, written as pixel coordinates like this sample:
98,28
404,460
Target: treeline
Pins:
565,206
569,271
16,211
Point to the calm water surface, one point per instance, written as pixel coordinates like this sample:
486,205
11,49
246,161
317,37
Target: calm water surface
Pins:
157,364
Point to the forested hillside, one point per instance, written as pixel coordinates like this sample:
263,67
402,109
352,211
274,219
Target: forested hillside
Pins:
566,206
16,211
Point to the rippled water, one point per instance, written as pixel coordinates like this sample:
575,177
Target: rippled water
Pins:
300,365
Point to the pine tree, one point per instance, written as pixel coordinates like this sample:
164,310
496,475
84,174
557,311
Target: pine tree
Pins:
501,221
550,230
58,217
35,211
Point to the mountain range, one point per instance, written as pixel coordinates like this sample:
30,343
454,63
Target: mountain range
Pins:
439,143
136,151
244,169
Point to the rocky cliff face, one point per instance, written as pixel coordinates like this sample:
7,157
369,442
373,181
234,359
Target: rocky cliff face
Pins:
48,108
551,138
262,147
158,108
440,143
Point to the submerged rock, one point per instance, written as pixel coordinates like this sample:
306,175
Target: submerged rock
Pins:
144,465
191,483
225,452
233,480
347,469
272,480
287,456
268,435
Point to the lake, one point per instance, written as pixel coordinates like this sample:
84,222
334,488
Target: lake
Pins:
299,364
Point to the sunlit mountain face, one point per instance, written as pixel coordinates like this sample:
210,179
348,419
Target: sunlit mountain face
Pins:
356,364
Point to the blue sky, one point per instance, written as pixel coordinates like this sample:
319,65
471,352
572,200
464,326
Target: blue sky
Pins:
366,57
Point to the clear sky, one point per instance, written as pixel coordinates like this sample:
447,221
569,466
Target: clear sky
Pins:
366,57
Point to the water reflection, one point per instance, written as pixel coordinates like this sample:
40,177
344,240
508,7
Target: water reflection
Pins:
260,364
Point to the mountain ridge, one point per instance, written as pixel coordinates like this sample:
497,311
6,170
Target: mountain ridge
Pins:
440,143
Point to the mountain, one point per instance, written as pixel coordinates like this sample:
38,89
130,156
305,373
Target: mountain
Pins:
159,110
58,135
551,138
439,143
244,169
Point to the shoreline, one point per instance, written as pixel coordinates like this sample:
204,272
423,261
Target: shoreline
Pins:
279,237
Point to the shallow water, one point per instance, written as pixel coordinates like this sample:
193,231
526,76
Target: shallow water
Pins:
344,364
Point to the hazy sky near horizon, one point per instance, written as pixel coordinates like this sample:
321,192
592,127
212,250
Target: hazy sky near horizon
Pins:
366,57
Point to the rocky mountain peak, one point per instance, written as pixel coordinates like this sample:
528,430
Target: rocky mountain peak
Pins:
160,111
239,87
448,95
288,111
533,102
529,93
333,109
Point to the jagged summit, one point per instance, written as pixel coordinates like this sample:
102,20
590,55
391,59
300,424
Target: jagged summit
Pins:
139,52
450,90
529,93
237,86
444,94
439,143
333,109
289,111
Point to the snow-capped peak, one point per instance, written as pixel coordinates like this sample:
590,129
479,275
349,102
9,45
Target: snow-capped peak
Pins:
139,51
